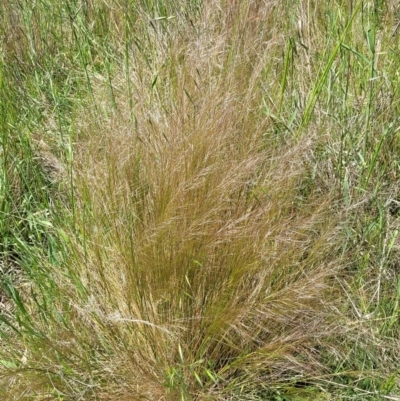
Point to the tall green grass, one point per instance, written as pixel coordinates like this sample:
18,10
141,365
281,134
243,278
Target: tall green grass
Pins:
199,200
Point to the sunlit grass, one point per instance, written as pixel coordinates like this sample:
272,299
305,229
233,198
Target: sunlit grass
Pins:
199,200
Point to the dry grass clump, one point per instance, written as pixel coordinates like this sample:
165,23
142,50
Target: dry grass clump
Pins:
207,268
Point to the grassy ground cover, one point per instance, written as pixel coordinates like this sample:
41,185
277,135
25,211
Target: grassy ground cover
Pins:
199,200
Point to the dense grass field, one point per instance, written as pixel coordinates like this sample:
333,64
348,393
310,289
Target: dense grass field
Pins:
199,200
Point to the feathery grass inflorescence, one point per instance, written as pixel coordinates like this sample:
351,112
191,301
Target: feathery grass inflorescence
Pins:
199,200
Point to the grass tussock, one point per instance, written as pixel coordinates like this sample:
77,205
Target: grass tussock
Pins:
205,220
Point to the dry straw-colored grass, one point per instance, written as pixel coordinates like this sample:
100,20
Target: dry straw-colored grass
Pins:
202,251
